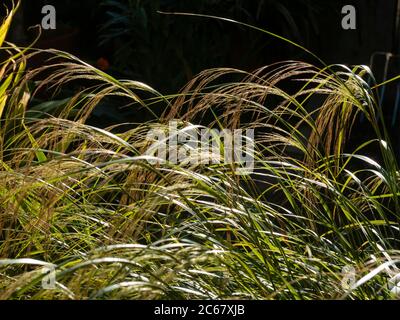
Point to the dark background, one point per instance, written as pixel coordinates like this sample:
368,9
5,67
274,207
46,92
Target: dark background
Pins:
166,51
130,39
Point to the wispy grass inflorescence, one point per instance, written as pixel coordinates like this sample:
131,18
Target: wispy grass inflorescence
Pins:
94,208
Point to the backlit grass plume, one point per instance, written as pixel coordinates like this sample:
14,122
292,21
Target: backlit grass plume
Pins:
89,213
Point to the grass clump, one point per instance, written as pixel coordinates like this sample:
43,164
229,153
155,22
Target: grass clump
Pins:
316,219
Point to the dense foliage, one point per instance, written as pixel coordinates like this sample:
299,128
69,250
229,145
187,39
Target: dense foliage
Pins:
88,203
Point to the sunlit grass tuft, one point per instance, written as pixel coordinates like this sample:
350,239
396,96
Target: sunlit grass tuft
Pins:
315,220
